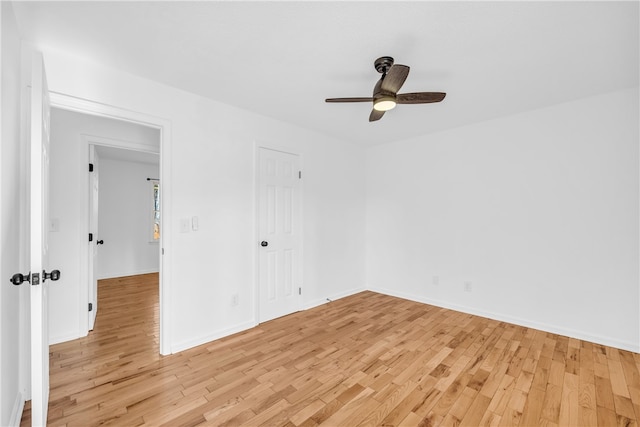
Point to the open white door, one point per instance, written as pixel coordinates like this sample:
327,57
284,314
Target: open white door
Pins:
94,242
39,220
280,234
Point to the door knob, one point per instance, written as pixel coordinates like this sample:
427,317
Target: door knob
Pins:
264,243
54,275
100,242
18,278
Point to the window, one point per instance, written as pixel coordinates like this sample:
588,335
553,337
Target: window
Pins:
155,207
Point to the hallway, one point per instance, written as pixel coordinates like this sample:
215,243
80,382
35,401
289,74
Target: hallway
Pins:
124,341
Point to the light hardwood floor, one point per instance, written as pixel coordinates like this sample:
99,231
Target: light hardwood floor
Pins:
368,359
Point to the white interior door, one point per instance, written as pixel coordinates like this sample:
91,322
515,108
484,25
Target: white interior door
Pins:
39,219
94,182
280,234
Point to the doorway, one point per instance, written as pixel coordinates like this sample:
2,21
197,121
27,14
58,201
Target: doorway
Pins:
124,214
71,230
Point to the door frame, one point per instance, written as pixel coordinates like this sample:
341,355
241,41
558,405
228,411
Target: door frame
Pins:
70,103
285,148
93,179
86,141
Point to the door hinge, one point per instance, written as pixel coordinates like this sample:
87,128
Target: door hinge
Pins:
90,307
90,167
299,291
91,237
299,174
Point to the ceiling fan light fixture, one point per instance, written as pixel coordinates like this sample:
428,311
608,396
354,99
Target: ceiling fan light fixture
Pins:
384,103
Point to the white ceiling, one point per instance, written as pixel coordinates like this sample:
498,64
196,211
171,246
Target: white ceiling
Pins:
282,59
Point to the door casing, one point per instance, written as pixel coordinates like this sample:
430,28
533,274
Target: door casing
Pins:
82,106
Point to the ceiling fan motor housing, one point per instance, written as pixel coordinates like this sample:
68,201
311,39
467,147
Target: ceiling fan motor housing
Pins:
383,64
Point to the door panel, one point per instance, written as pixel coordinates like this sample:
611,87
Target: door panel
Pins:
279,227
288,271
39,208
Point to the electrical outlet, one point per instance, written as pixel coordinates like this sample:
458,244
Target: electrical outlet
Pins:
235,300
468,287
435,280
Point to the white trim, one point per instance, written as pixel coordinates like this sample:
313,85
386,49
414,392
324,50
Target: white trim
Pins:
255,300
62,338
512,320
207,339
318,302
128,273
17,409
118,143
84,106
581,335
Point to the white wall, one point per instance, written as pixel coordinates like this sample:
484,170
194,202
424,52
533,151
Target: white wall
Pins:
12,372
539,211
124,208
211,159
68,204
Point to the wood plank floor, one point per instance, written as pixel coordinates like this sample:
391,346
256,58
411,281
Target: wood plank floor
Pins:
368,359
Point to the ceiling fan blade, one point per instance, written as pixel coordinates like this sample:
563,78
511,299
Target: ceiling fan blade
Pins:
369,99
375,115
420,97
394,79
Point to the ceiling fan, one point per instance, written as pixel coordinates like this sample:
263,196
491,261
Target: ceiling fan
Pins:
385,93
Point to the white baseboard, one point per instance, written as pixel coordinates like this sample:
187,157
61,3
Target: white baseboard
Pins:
185,345
16,410
333,297
581,335
127,273
63,338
